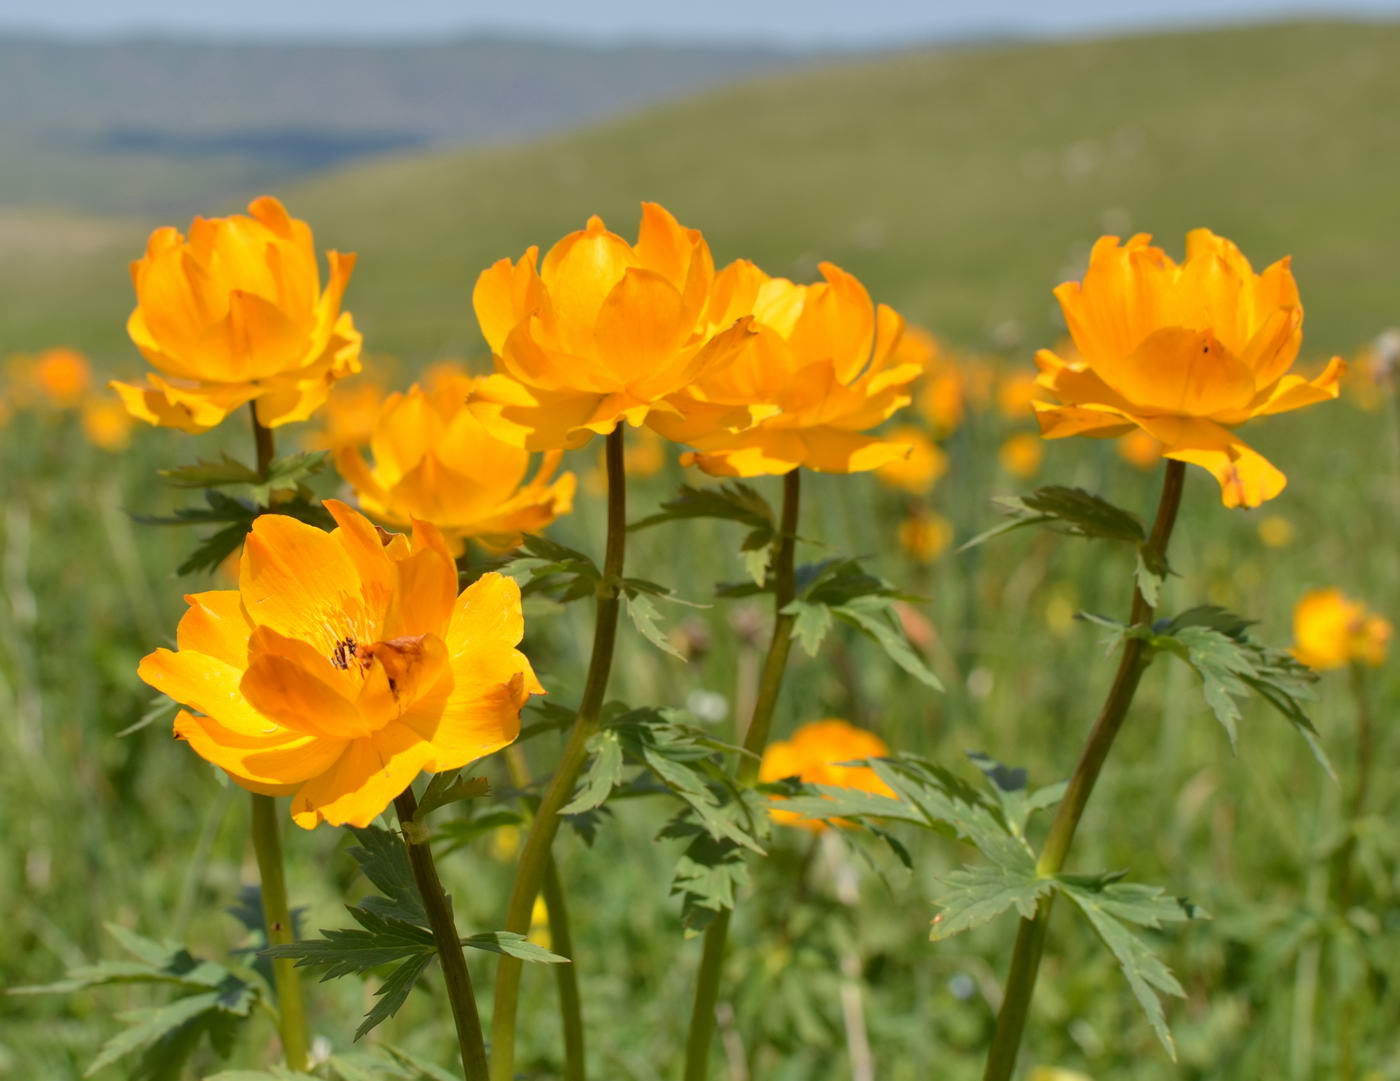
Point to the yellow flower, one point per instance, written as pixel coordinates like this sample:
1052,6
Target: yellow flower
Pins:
344,664
1330,630
600,333
643,456
434,460
1276,531
62,377
106,423
925,536
1186,352
1015,393
236,314
1140,449
820,368
921,468
813,755
1021,454
349,416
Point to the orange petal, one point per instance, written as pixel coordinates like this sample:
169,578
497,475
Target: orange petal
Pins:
1246,477
288,681
284,758
364,780
215,626
299,581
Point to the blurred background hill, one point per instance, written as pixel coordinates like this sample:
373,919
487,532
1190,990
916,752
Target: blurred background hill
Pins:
961,183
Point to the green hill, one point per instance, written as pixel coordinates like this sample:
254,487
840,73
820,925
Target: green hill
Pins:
960,186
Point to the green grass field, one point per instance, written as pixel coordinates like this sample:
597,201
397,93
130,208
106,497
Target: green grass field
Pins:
961,187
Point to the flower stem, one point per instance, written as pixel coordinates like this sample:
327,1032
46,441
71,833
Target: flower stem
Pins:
1030,937
267,843
438,907
277,918
561,941
534,859
702,1016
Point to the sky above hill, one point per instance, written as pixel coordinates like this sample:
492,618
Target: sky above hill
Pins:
794,22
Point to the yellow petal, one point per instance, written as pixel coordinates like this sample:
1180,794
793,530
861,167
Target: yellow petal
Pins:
1246,478
363,781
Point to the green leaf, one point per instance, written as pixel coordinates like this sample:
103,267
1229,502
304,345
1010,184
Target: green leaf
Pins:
210,474
1110,907
949,804
393,992
646,618
342,951
1067,510
871,617
275,1073
733,501
810,625
603,774
514,945
707,875
1010,786
146,1027
970,896
1217,645
450,787
384,861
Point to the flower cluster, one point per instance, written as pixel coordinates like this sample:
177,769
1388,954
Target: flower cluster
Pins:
1331,630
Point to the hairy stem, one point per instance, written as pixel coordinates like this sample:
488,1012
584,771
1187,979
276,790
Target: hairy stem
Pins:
702,1015
277,918
534,858
1030,936
438,907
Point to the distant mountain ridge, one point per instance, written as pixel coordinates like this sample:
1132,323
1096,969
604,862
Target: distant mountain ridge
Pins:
134,124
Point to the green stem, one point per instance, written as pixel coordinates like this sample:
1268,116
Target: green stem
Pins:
438,907
1030,936
561,941
702,1015
267,843
277,918
534,858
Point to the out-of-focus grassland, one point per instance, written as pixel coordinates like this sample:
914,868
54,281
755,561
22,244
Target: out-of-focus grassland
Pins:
961,187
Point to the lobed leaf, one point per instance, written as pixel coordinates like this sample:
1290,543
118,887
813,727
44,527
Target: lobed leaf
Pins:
382,858
971,896
514,945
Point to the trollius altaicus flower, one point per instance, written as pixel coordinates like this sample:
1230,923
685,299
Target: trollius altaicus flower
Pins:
435,461
821,369
601,332
814,754
344,664
1330,630
236,313
1187,352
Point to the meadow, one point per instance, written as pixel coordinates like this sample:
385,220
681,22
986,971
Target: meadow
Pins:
961,188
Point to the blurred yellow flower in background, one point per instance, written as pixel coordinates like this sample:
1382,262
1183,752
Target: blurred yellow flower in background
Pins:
820,368
1015,393
643,455
925,535
1186,352
344,664
349,415
1330,630
1021,454
236,314
813,755
1140,449
921,468
435,461
62,376
1276,531
106,423
600,333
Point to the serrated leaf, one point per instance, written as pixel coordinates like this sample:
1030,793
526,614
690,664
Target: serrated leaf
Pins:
971,896
733,501
145,1027
204,474
383,860
342,951
447,788
949,804
810,624
603,774
645,618
707,875
871,617
393,992
1107,905
513,945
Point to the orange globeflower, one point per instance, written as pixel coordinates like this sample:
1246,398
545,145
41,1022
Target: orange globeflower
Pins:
1332,630
344,664
1140,449
814,755
434,460
600,333
236,314
921,469
349,415
1186,352
1021,454
820,369
925,536
62,376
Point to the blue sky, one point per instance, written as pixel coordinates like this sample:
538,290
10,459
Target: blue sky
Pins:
829,22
